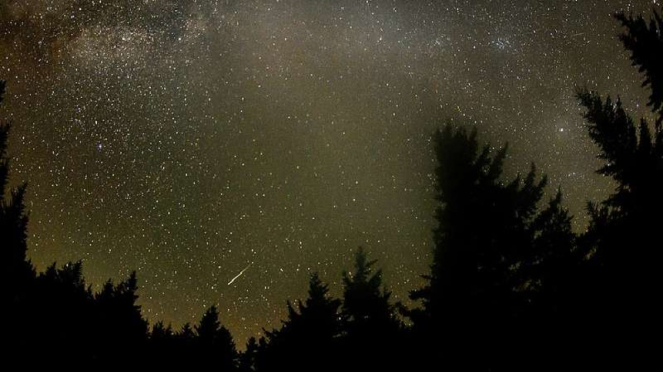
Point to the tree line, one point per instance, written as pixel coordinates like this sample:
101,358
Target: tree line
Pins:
511,285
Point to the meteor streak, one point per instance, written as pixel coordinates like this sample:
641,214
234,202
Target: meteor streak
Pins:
240,274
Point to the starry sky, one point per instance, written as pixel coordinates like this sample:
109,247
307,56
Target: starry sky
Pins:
193,140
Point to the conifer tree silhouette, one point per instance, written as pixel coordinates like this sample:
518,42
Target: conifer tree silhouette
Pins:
372,330
185,347
161,332
308,338
14,267
17,274
162,348
645,42
186,333
555,261
118,306
622,242
247,359
215,345
364,299
490,243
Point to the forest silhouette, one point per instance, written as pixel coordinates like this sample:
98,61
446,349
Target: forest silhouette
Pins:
511,286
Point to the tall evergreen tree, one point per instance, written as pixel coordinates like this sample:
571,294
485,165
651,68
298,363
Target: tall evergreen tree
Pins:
61,306
14,266
185,348
119,319
160,332
17,275
555,261
481,224
485,255
645,42
247,360
372,329
215,345
364,299
186,333
307,340
622,243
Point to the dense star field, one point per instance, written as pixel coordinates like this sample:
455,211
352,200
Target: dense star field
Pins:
196,140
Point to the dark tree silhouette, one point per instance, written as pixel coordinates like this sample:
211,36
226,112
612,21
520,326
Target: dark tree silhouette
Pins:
17,274
308,338
490,245
161,333
186,334
551,271
121,319
364,299
162,346
623,243
14,267
184,351
373,332
215,346
247,359
645,42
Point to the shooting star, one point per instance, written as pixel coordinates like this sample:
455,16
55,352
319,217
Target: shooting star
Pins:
240,274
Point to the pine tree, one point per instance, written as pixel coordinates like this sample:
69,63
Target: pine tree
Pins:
364,299
483,225
126,293
490,243
185,349
14,266
214,342
119,320
645,42
162,337
622,243
307,339
247,360
186,334
372,330
555,260
17,274
61,307
622,238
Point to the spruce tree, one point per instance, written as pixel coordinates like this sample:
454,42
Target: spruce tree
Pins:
644,40
119,319
307,340
364,298
247,359
161,333
372,330
17,274
483,230
185,348
14,266
622,243
622,239
215,345
489,245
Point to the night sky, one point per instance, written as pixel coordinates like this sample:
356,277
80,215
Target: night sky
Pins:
196,140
